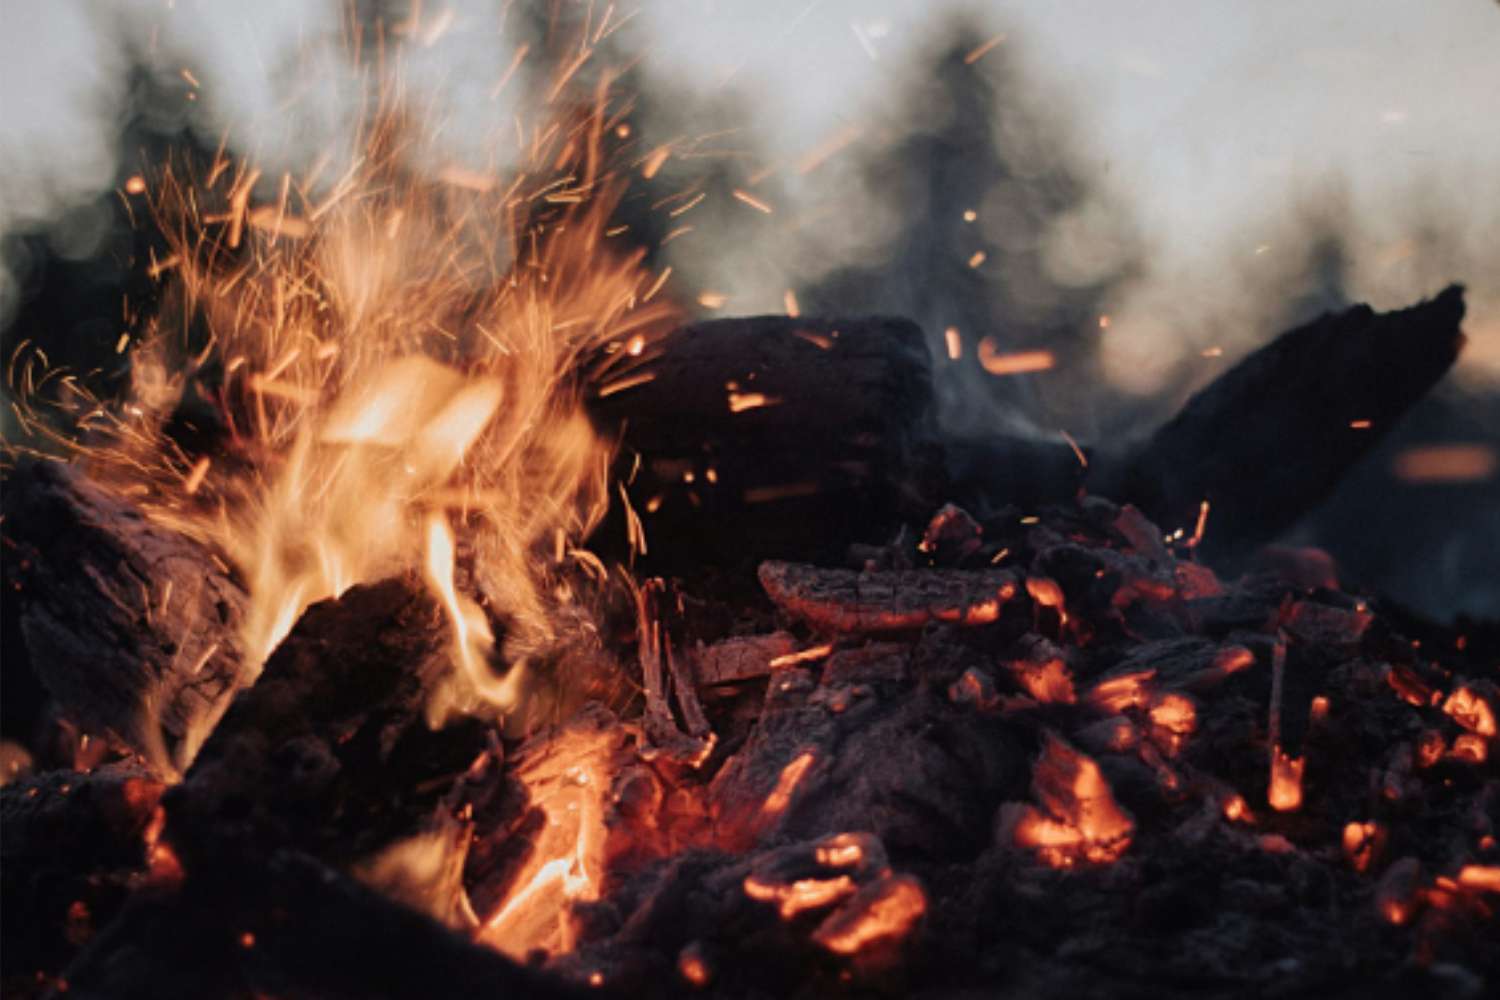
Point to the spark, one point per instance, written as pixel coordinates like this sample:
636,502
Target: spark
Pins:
1021,362
789,300
981,50
954,342
752,201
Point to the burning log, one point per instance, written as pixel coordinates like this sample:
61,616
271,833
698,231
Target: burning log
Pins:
133,628
755,435
839,600
1269,439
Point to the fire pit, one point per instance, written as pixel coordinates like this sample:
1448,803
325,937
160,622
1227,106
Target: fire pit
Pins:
437,612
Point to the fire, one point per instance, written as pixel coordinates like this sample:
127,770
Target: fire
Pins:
1079,819
567,775
398,359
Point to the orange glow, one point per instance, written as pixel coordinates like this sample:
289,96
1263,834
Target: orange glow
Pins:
1469,748
749,199
135,185
739,402
1480,878
1411,688
713,300
1362,843
954,343
1116,694
789,300
843,850
786,785
1284,793
1018,363
1048,594
809,655
882,911
1049,681
567,776
1176,717
1236,810
693,967
804,894
1447,463
1471,711
979,51
1079,819
1430,748
1319,710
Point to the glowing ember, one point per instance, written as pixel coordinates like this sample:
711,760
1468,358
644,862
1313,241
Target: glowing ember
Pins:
786,785
885,910
1448,463
1019,363
1481,878
693,967
1047,681
1284,794
567,775
1079,819
1363,843
1471,711
1115,694
803,894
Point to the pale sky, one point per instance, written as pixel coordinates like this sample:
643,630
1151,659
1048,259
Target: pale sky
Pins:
1208,118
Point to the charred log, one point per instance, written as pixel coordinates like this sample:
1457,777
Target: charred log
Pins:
131,627
756,437
1270,439
839,600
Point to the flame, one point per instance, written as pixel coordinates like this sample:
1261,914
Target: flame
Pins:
398,359
567,776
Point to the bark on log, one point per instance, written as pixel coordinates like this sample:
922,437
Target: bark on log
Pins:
329,752
842,600
759,436
1270,439
131,627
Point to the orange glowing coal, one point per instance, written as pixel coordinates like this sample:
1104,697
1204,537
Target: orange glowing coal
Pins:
1048,681
1284,793
885,910
1079,820
1116,694
803,894
786,786
1472,711
1363,843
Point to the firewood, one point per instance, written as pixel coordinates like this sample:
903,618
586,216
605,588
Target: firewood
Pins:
740,658
841,600
1269,439
132,627
290,927
755,437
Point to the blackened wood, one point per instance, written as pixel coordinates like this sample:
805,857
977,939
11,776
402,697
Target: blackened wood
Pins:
841,600
773,435
329,752
132,627
290,927
1270,439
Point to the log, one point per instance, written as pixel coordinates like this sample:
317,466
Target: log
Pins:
131,627
841,600
329,753
759,436
1269,440
290,927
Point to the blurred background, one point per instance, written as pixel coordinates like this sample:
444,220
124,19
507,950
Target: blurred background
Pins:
1146,189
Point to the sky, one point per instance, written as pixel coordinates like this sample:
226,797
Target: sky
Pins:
1214,122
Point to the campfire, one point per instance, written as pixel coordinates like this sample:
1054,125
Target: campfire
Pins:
439,611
